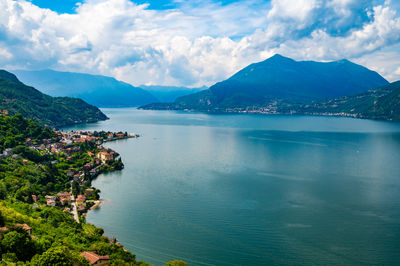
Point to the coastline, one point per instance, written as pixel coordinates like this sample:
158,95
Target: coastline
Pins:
97,204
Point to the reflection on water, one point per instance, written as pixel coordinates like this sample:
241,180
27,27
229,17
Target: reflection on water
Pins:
253,190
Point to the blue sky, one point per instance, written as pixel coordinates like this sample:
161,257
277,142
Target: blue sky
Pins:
194,43
69,6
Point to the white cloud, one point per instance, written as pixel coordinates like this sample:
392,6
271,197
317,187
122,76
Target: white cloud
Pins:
194,44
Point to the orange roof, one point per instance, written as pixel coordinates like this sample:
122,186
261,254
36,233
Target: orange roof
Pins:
93,257
81,198
24,226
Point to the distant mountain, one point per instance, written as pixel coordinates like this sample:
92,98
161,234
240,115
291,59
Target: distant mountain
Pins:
280,81
16,97
170,93
98,90
382,103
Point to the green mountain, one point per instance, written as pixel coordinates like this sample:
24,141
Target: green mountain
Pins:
382,103
16,97
97,90
280,81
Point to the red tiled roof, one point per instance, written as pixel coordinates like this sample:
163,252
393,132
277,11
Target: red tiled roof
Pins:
93,257
81,198
24,226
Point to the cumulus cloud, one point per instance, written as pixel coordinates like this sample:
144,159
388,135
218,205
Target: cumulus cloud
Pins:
197,42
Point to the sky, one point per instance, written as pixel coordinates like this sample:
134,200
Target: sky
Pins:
194,42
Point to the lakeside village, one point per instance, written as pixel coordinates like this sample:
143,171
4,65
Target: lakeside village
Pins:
82,157
45,192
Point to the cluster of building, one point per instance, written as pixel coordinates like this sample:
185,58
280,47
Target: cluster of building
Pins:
66,198
51,201
332,114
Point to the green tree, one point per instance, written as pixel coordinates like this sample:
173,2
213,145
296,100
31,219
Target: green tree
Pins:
176,263
58,256
1,219
20,244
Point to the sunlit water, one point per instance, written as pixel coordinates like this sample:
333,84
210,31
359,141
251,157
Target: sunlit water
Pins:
253,190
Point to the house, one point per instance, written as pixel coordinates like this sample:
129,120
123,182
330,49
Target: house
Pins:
93,172
95,259
64,197
80,199
76,177
120,135
26,227
87,167
34,198
104,156
67,142
51,200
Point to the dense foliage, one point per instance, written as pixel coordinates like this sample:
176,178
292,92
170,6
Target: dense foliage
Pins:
15,97
55,238
15,130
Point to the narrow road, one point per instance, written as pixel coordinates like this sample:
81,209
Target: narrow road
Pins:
74,208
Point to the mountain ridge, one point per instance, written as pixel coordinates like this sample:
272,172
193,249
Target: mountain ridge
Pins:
280,81
169,93
97,90
16,97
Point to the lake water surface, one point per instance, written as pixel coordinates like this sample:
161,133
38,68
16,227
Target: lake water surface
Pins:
253,190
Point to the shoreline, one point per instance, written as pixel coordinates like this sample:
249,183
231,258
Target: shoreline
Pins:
97,204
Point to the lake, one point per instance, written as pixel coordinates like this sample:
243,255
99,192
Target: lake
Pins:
252,189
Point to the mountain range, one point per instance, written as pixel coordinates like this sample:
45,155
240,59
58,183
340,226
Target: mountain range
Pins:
170,93
16,97
280,82
97,90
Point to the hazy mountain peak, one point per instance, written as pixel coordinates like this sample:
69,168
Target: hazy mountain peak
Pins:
98,90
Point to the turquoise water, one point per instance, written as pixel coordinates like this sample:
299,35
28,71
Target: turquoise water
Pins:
253,190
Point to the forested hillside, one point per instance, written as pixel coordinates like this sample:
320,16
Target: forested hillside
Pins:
16,97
